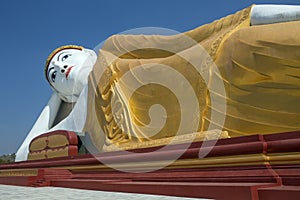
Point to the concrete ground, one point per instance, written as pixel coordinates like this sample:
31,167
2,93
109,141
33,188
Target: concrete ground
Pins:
55,193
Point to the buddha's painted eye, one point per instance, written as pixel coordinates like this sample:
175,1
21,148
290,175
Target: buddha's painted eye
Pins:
52,74
65,57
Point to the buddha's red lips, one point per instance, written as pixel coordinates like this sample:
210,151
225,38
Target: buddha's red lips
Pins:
68,72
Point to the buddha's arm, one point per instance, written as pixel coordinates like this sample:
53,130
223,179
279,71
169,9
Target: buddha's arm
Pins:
42,125
161,46
167,42
269,14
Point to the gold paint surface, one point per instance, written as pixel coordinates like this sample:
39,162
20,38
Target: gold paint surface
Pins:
192,137
57,141
19,172
259,66
38,144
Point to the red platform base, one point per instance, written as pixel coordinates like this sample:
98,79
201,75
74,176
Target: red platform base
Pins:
253,167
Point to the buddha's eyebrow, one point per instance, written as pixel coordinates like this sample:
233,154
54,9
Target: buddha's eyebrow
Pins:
50,69
60,55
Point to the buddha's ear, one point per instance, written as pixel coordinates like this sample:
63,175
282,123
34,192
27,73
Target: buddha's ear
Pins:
68,98
65,98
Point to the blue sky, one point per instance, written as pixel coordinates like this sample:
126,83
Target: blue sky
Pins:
31,29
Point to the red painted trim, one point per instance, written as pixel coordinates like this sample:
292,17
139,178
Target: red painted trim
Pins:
72,150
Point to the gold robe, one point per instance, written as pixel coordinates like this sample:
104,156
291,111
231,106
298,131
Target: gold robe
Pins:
259,67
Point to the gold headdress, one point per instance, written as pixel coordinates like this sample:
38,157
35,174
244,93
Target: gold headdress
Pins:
55,52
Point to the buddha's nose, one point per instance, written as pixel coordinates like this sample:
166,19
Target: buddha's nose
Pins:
62,67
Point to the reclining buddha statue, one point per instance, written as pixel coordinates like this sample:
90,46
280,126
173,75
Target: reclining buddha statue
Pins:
239,75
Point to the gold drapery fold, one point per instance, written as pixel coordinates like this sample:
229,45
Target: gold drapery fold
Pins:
259,66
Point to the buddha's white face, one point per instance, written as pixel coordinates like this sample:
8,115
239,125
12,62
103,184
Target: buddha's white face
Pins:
68,72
